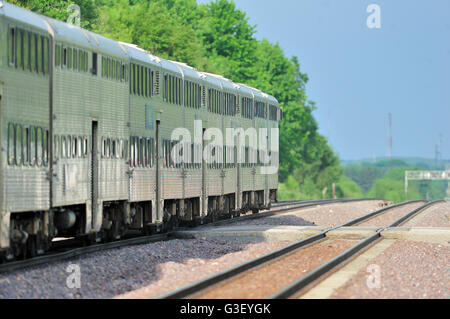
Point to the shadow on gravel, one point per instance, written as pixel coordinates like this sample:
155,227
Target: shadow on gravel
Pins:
117,271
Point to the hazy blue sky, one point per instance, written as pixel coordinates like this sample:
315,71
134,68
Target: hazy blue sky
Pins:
358,75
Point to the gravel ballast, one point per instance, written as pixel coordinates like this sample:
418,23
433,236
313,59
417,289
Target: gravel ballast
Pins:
330,215
436,216
390,216
406,270
161,266
267,279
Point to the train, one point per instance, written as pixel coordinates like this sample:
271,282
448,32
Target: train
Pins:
101,137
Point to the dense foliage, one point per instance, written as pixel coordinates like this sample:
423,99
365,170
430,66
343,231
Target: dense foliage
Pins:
386,179
217,37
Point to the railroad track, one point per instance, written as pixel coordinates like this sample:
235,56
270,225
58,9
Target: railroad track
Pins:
217,286
69,249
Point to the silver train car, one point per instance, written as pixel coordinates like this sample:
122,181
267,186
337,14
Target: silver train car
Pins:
100,137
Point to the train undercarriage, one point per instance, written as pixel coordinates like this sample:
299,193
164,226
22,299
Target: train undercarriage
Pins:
32,233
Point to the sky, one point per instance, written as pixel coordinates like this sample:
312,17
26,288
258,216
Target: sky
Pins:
358,75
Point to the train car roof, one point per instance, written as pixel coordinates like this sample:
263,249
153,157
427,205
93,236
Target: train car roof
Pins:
260,94
74,34
20,14
79,36
139,54
225,83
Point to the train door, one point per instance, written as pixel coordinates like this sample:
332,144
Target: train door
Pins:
4,146
237,161
158,212
94,176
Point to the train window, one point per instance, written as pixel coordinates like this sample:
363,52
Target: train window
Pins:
168,97
69,58
103,67
11,141
32,52
86,62
26,50
125,149
45,141
136,152
112,69
69,146
26,150
57,55
152,151
146,82
75,59
187,97
85,148
39,68
142,152
81,61
112,148
180,97
108,148
63,146
39,150
56,146
94,63
74,147
166,153
108,68
142,81
177,90
19,48
120,149
133,79
138,80
12,46
64,57
165,87
18,145
39,146
78,146
45,59
32,145
131,151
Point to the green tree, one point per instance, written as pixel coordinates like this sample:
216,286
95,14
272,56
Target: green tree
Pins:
57,9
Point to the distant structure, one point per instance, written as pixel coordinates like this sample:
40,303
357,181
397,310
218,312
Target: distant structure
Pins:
447,169
428,176
390,136
438,154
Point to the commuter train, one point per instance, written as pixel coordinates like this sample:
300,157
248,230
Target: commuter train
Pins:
87,134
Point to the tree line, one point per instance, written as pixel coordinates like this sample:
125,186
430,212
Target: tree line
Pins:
217,37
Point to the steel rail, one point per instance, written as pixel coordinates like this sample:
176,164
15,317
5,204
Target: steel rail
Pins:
67,252
57,256
286,208
214,279
315,274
